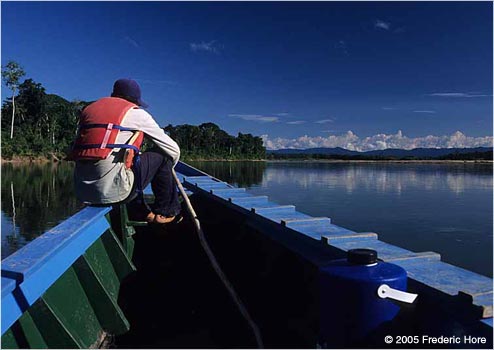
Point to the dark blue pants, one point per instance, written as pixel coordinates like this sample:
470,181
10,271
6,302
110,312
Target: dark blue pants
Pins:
156,169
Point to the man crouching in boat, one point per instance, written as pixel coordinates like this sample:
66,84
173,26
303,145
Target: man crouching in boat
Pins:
109,168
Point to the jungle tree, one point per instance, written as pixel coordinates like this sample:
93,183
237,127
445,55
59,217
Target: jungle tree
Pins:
11,73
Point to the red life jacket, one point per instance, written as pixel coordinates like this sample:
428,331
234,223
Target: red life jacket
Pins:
99,126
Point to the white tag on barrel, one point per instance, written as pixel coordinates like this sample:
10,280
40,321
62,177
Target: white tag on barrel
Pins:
385,291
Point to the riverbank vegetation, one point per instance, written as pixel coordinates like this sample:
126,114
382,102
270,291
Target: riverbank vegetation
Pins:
208,141
45,125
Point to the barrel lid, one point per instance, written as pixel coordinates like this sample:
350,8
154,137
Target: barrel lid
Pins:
362,256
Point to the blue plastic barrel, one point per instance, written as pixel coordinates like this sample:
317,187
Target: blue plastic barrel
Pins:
350,306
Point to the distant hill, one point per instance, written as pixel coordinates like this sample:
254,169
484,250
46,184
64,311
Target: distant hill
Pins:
390,152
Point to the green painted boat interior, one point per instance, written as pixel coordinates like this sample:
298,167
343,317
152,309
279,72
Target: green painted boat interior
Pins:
81,307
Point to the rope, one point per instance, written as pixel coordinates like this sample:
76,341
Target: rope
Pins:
216,266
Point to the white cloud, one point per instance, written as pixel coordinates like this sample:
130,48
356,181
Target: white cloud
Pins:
131,41
388,108
342,46
457,94
382,25
255,117
284,114
204,46
297,122
353,142
429,112
324,121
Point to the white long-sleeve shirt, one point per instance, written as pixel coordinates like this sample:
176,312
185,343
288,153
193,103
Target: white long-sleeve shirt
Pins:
108,181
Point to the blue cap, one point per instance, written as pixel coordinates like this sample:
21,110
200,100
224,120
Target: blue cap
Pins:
129,88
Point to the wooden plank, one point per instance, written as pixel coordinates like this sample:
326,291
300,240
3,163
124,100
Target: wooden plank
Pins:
246,200
337,235
212,186
188,170
31,333
103,298
279,216
9,340
148,191
454,281
313,221
202,183
180,176
222,191
120,261
89,222
248,205
44,282
488,321
11,310
201,180
279,213
318,229
194,178
384,250
446,278
313,227
8,286
230,194
274,209
69,303
55,333
485,301
194,184
40,265
420,255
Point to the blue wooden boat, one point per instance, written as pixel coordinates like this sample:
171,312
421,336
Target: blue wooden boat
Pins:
100,280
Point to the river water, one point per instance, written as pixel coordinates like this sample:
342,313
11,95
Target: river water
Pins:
445,208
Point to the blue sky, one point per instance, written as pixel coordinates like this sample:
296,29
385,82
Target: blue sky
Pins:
299,73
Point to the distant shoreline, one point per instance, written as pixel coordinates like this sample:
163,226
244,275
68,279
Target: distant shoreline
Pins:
443,161
32,159
426,161
27,160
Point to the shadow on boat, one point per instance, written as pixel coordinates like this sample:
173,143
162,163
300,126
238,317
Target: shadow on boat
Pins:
176,300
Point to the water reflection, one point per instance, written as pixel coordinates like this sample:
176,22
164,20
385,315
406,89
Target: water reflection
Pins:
35,197
240,174
381,178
